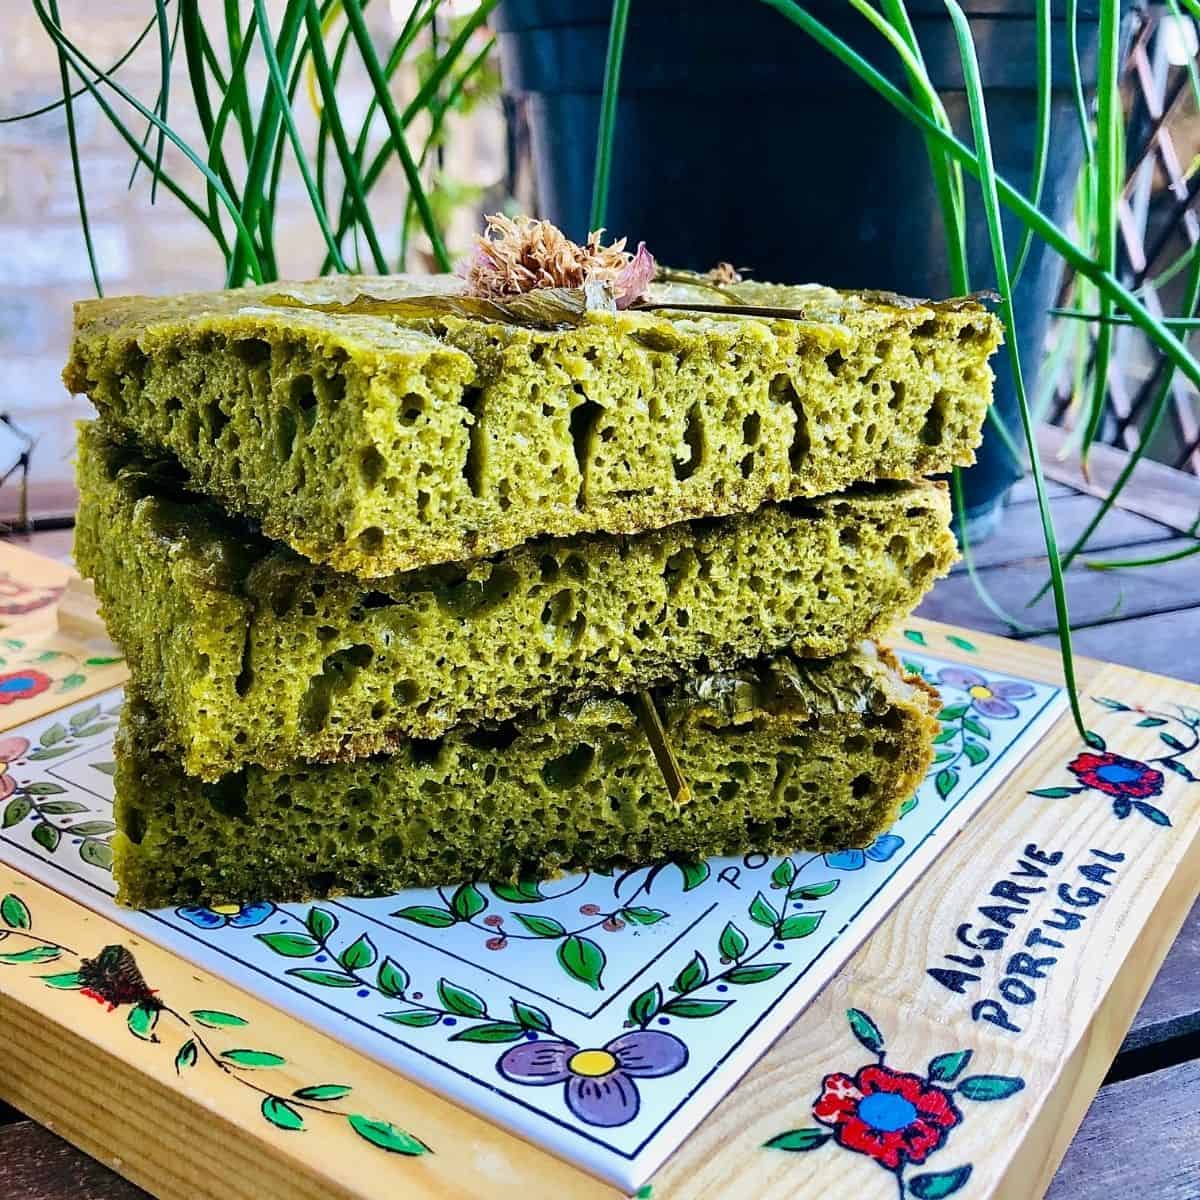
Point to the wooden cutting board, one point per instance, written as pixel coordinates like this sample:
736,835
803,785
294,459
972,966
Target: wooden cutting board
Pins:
954,1053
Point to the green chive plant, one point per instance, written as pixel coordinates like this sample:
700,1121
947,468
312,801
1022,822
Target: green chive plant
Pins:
248,136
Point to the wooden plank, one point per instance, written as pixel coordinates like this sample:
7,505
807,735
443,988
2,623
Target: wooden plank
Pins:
1141,1136
1020,536
1023,491
37,1165
1156,491
1094,596
1172,1006
1165,643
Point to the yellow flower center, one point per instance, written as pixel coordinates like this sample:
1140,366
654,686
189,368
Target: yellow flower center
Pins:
227,910
979,692
592,1063
3,767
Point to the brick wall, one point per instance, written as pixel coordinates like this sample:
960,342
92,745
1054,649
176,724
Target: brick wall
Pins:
43,264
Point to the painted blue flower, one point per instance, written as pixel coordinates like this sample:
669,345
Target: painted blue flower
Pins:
880,850
240,916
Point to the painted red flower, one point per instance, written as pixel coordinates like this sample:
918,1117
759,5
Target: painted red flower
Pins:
1116,775
890,1115
20,685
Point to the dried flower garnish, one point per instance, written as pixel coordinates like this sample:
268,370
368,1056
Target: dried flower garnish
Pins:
724,273
516,255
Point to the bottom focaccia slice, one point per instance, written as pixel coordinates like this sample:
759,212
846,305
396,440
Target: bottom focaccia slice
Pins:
783,753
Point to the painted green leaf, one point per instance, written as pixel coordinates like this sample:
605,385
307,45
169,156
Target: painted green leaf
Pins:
493,1031
188,1056
61,808
913,668
15,811
801,925
638,914
694,1009
55,734
48,656
90,828
71,681
424,914
915,635
865,1029
694,874
908,806
645,1006
733,942
1056,793
35,954
784,873
89,731
14,643
978,728
962,643
97,854
582,959
952,712
281,1114
975,752
14,912
416,1018
527,891
467,902
945,736
141,1021
1115,705
47,837
1178,768
946,781
936,1184
1095,741
947,1067
386,1136
323,978
814,891
290,945
529,1016
798,1139
753,972
459,1000
543,927
69,981
1150,722
253,1058
99,660
214,1018
392,978
320,923
359,954
990,1087
105,768
644,1192
694,975
1154,814
1171,740
762,912
323,1091
46,788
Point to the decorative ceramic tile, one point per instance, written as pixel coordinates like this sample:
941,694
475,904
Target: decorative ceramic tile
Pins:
601,1015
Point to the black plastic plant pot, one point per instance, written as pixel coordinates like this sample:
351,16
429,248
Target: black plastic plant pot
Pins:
739,138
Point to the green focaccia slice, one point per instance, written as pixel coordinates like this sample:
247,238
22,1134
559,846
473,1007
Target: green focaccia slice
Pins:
780,755
377,440
251,654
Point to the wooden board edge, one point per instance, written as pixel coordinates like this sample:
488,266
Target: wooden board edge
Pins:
104,1060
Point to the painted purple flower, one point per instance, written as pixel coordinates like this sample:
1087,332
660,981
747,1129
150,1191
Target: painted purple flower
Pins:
600,1087
990,699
